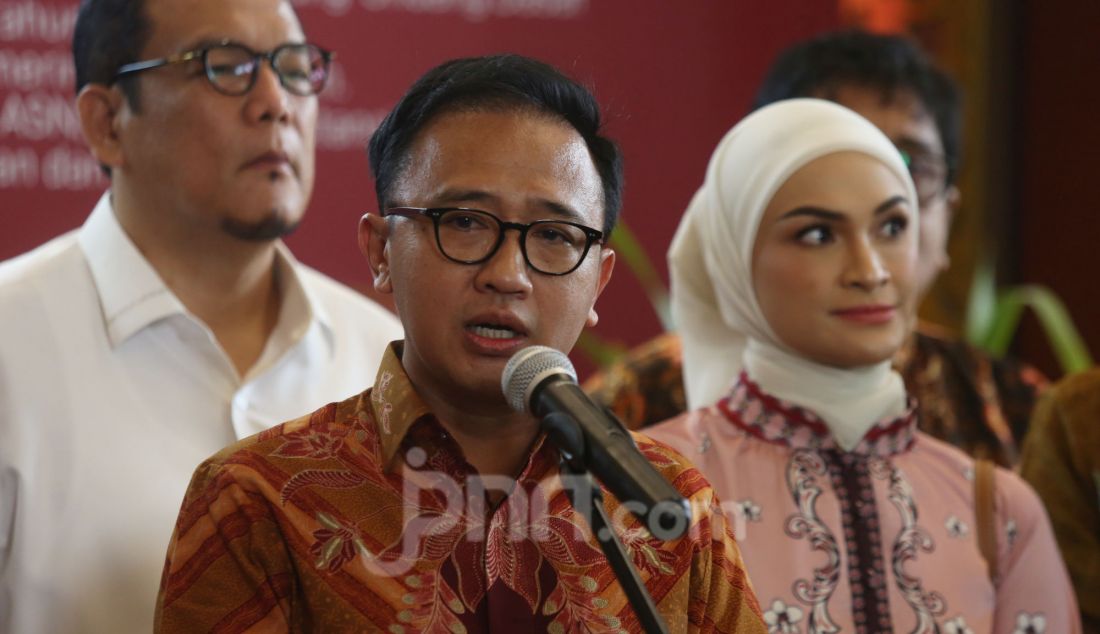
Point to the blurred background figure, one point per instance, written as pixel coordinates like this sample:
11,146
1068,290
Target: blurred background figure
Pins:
967,397
174,320
1061,460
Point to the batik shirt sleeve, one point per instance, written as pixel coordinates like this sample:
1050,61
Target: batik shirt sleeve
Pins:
227,535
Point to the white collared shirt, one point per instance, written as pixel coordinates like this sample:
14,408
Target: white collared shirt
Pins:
111,393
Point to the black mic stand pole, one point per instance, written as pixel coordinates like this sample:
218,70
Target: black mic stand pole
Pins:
587,498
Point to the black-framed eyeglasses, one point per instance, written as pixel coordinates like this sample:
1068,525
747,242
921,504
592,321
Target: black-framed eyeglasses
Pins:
472,236
231,68
929,172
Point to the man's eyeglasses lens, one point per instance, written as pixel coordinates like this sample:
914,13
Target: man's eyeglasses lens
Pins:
929,173
470,236
232,68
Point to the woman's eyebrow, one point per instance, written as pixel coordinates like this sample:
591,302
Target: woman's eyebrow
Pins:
889,204
836,216
815,212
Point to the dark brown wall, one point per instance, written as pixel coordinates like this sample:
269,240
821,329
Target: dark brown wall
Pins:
1057,164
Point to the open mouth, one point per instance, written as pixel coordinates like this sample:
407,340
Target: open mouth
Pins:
493,331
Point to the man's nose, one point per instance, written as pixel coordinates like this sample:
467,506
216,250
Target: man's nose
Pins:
506,271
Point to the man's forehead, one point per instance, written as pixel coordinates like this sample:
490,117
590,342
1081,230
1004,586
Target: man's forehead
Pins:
857,95
260,24
495,155
899,113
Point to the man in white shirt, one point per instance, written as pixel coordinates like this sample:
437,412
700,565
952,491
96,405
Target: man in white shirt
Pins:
174,321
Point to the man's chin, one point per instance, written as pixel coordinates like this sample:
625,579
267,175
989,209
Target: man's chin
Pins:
272,227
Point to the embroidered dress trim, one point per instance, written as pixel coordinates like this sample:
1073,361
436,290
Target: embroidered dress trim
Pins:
772,420
855,494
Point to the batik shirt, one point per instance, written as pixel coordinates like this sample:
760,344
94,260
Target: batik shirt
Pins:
881,538
966,397
365,517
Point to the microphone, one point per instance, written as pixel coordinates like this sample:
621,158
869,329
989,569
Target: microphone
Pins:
542,380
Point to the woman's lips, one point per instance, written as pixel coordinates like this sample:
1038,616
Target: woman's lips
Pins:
871,314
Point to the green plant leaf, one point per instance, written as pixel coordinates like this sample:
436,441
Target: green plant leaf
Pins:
1065,340
981,305
993,317
601,352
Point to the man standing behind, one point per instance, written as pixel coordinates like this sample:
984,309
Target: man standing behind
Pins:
174,320
426,503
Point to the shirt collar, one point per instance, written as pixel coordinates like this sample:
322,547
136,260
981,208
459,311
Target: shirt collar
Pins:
394,402
300,306
133,296
399,414
131,292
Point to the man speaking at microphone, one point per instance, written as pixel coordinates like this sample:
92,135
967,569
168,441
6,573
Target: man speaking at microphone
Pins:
427,503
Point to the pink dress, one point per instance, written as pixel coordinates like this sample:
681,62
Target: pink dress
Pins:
878,539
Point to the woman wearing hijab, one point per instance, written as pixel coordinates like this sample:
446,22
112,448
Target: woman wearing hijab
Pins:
792,284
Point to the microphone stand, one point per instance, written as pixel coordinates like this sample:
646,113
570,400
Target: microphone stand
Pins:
588,500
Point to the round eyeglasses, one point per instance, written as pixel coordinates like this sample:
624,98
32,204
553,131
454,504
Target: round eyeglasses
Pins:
929,174
231,68
472,236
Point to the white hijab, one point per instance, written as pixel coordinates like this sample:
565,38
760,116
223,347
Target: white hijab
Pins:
713,300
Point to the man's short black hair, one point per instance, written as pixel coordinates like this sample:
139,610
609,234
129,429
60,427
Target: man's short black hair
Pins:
108,34
887,63
496,82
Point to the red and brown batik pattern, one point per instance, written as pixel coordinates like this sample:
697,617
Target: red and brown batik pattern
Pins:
364,516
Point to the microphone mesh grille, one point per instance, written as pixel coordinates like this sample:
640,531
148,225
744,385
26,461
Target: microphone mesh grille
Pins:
526,368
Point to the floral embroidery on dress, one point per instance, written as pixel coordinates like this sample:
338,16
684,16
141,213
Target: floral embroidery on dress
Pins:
772,420
957,625
909,542
766,418
748,509
956,527
704,444
803,469
1011,532
783,619
1030,623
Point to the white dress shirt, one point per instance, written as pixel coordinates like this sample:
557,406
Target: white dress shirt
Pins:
111,394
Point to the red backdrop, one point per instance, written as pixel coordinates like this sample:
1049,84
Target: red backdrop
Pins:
672,78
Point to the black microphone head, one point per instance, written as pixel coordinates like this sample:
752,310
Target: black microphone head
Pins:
527,368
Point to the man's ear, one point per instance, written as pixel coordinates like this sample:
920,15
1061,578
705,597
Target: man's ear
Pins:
374,240
99,109
953,198
607,264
